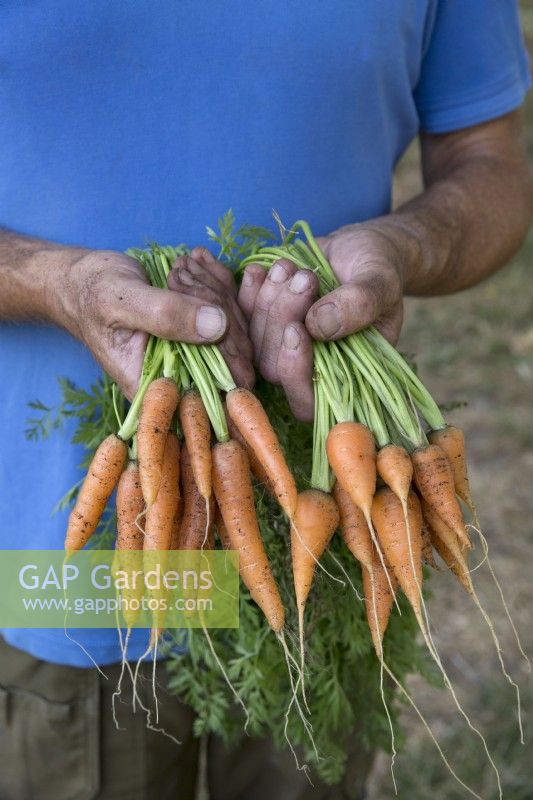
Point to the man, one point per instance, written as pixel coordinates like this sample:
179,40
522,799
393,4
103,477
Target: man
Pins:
128,122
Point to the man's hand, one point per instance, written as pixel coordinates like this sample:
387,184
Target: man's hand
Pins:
471,218
104,299
285,316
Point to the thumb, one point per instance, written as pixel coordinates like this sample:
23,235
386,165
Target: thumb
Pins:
172,315
349,308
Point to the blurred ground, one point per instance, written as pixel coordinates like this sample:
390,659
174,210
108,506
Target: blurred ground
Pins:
478,347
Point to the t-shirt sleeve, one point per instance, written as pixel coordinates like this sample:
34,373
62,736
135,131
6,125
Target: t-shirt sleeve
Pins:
475,67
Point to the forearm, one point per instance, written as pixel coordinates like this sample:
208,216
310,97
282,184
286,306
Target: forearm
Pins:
470,220
30,271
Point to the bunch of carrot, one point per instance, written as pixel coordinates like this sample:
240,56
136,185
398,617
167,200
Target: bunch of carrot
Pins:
391,485
387,471
174,485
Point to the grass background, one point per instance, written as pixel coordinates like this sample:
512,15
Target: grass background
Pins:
478,346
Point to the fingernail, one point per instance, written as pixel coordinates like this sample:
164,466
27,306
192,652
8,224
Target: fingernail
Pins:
291,338
328,319
210,322
185,277
277,274
247,279
230,347
299,282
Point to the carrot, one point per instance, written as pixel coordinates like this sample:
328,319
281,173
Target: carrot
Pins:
427,547
454,560
379,600
315,522
197,432
401,542
130,536
221,530
452,441
451,552
193,534
351,454
258,471
434,479
447,546
249,416
159,405
160,515
395,468
234,495
102,476
130,510
176,525
353,527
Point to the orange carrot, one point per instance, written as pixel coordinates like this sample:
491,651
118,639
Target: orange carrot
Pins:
197,432
427,548
315,522
176,525
395,468
130,536
447,546
160,515
221,530
130,510
193,528
452,441
352,456
353,527
159,405
377,591
250,418
434,479
394,535
258,471
234,495
102,476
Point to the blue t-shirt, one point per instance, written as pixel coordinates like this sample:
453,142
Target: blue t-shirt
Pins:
131,121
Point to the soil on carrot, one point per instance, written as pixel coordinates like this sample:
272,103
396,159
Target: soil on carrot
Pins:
477,347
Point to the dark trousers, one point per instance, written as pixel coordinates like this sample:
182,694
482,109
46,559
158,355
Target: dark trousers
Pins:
58,741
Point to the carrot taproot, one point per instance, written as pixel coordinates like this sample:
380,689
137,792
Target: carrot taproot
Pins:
102,476
401,541
129,541
352,456
353,527
351,453
379,599
176,525
452,441
395,468
194,533
315,522
454,561
258,470
427,547
157,410
447,545
221,530
197,432
249,416
130,510
160,515
434,480
234,494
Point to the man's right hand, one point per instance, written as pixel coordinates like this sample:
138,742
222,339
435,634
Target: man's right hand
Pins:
104,300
